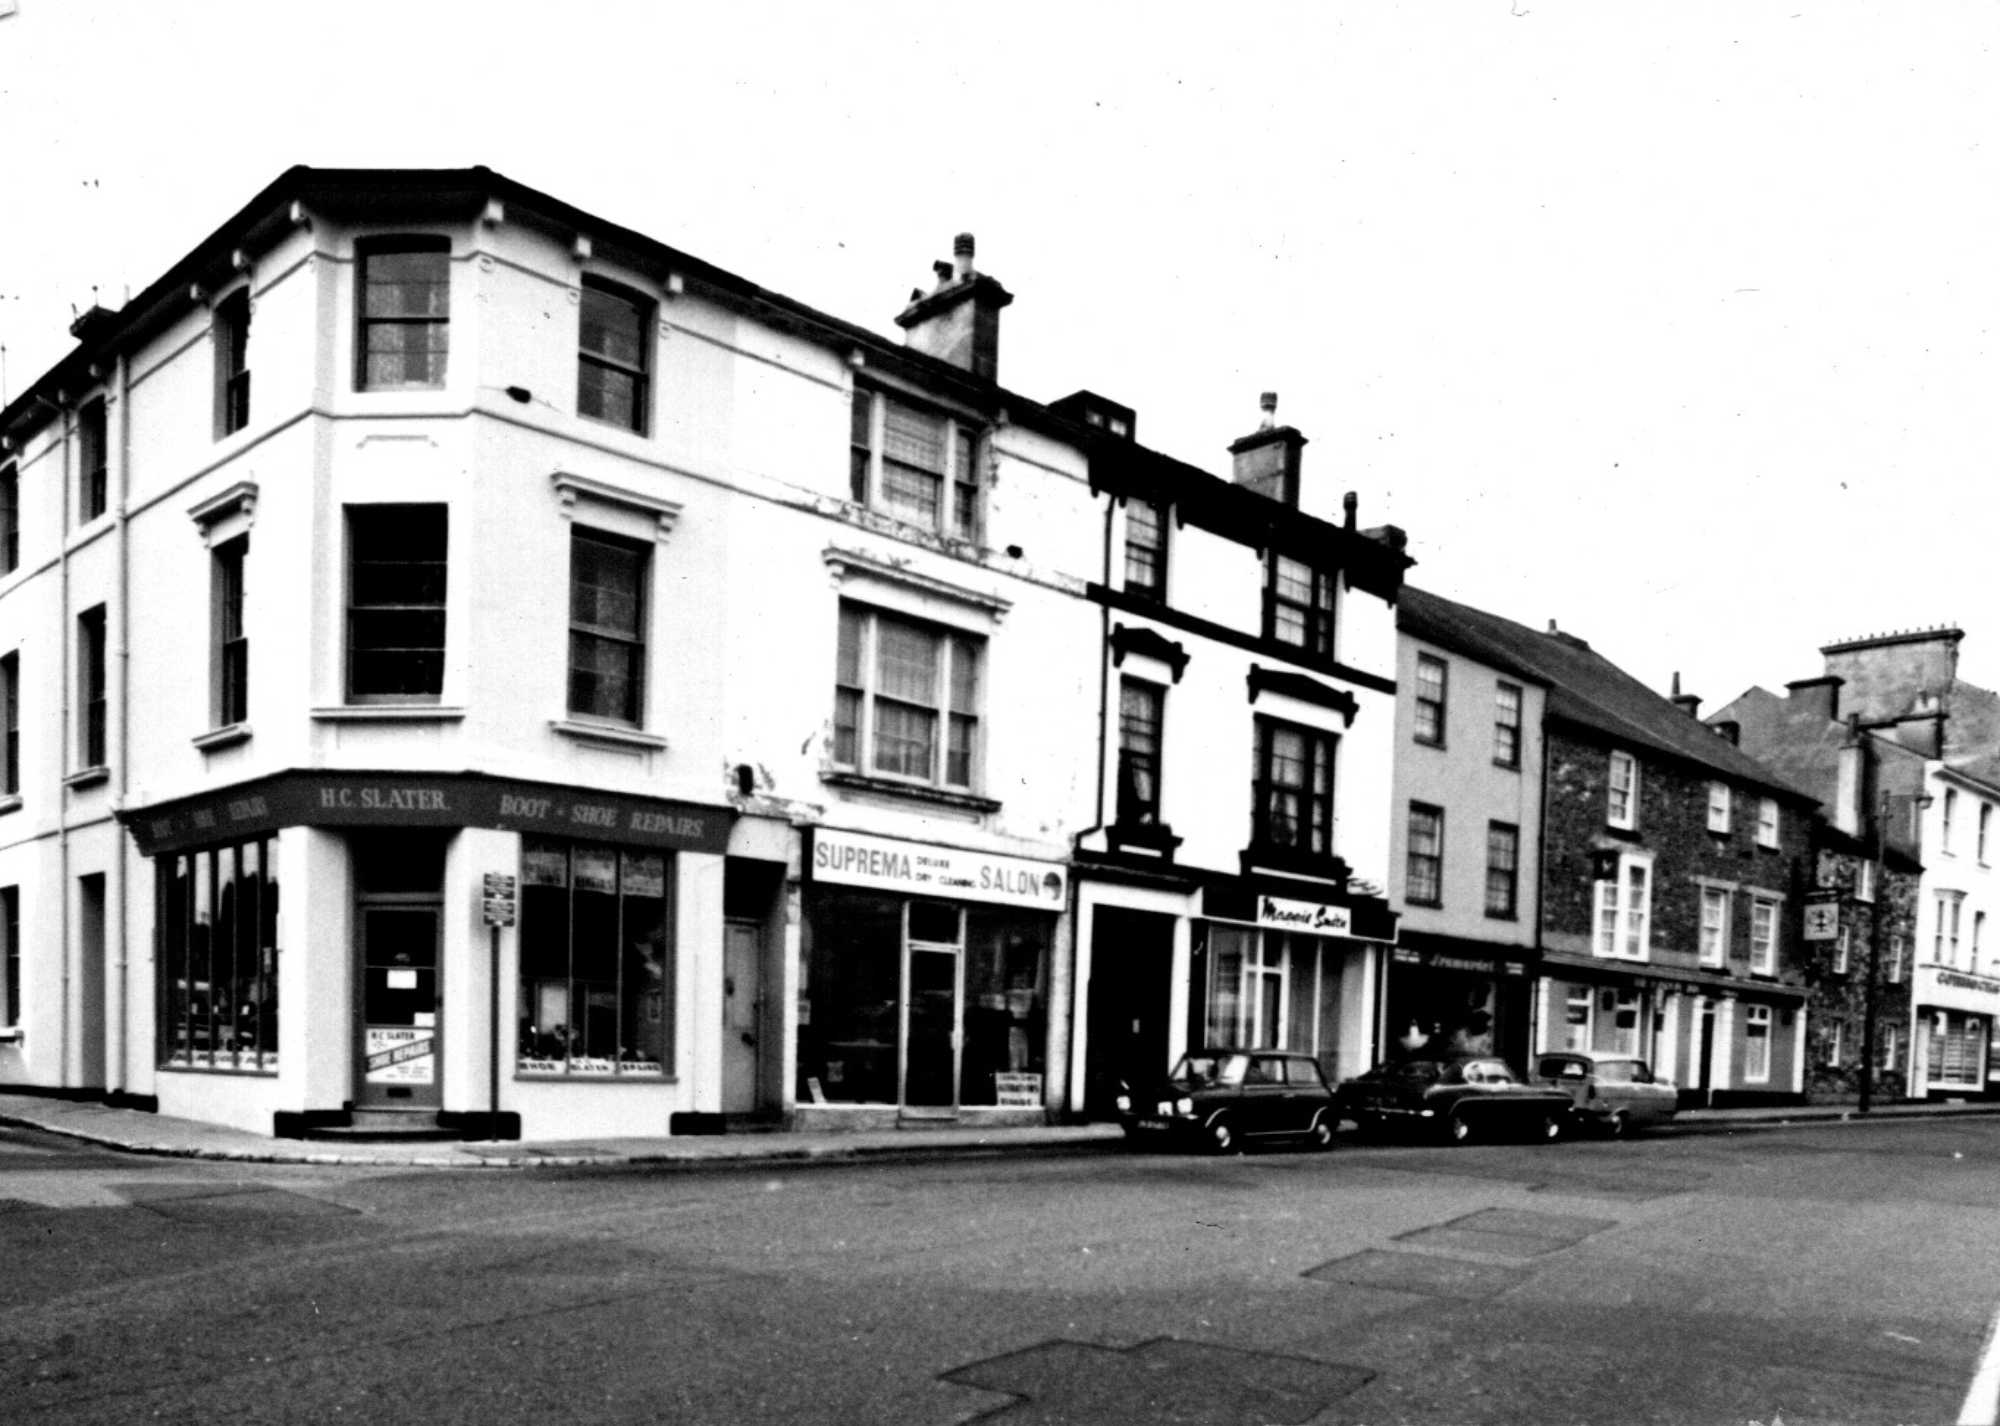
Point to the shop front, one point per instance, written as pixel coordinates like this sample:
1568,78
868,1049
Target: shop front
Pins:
1454,996
1952,1038
927,980
1275,972
444,949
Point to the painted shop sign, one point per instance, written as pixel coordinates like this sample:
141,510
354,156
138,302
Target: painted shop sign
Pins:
1958,980
1445,960
1311,916
361,799
401,1056
887,864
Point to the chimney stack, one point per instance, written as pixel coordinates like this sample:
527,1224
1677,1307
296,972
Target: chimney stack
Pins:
1688,703
1851,797
959,320
1267,460
1821,694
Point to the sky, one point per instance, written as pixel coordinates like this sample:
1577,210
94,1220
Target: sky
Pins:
1670,323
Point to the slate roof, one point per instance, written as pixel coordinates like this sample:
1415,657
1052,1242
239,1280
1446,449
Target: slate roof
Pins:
1586,689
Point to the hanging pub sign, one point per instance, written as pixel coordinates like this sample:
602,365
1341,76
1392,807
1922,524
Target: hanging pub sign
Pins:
1822,917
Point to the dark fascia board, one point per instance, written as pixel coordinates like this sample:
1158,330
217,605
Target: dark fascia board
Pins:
1125,468
456,194
1629,736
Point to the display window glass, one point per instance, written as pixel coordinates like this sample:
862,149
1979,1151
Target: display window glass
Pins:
218,918
596,985
1006,1020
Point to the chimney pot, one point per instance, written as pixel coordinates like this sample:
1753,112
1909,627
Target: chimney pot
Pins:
1268,405
1350,503
959,321
961,254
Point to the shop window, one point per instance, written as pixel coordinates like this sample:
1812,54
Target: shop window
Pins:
231,335
1294,790
1424,880
1757,1044
219,956
1576,1019
396,602
1617,1026
1298,605
906,700
1622,802
10,518
607,633
1624,910
1714,926
848,1024
1506,726
231,654
1141,713
1503,869
10,956
405,320
597,988
1006,1013
1269,990
914,465
1146,550
1763,936
93,457
1957,1053
92,708
613,338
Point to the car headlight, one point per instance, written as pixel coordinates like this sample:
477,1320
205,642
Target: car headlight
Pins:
1183,1105
1124,1104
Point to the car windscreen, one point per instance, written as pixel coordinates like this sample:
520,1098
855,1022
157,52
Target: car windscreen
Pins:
1201,1071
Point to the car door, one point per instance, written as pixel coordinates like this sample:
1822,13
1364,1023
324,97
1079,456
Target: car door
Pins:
1652,1101
1264,1093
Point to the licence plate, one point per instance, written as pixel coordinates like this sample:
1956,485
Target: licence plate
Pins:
1153,1124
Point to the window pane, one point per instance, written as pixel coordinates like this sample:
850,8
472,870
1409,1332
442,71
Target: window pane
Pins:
605,586
408,284
905,740
613,327
913,438
905,663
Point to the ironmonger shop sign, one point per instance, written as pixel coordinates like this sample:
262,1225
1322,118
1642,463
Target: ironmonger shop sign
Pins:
377,799
887,864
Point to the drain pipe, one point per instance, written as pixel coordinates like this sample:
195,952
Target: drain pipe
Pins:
115,1073
64,732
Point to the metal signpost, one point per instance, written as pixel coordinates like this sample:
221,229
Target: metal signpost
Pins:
497,906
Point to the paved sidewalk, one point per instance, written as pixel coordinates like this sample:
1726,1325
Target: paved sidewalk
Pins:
134,1131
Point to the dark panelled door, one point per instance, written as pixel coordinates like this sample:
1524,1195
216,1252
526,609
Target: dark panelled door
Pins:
1131,969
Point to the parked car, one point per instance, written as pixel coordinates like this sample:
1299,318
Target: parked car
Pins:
1614,1094
1465,1097
1224,1099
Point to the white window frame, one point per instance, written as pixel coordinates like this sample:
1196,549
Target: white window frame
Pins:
1576,1033
947,643
1621,804
1947,819
1718,807
1978,940
1944,941
1715,946
1864,882
1627,925
1757,1018
963,442
1985,826
1835,1033
1843,944
1895,972
1891,1046
1767,821
1764,953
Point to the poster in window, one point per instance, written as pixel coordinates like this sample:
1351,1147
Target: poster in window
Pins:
543,865
596,869
645,874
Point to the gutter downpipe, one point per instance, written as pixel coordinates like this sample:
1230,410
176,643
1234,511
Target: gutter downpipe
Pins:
1078,1004
115,1074
65,734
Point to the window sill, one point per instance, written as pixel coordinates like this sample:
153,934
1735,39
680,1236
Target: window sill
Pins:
1503,916
10,803
1154,837
12,1035
617,734
227,736
1426,905
1291,861
915,791
389,713
88,777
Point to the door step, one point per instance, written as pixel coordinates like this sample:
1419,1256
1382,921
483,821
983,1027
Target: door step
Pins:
394,1125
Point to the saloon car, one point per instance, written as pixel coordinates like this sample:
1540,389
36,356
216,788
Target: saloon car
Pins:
1469,1097
1225,1099
1613,1094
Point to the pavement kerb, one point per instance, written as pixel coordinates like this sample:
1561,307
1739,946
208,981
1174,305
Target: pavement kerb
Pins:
199,1141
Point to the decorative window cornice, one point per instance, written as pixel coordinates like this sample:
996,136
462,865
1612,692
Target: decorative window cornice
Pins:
1148,643
851,566
227,514
574,490
1306,690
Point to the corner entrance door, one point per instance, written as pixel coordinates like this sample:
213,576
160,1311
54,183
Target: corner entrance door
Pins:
742,1015
400,1004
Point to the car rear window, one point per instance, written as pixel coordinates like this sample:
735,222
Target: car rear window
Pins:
1204,1070
1617,1071
1563,1069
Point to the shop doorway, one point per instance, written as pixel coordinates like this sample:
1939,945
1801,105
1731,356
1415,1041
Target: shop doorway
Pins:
1704,1064
742,1016
399,905
1131,965
934,943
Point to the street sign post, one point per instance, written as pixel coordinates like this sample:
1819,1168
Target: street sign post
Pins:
497,905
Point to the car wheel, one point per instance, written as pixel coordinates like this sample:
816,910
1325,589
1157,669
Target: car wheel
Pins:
1550,1129
1619,1125
1459,1127
1221,1135
1321,1133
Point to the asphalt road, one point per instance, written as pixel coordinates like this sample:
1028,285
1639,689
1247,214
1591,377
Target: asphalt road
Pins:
1844,1273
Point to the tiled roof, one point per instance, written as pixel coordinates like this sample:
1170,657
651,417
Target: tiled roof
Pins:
1586,689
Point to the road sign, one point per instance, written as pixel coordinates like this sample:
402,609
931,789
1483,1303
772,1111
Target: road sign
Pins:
497,905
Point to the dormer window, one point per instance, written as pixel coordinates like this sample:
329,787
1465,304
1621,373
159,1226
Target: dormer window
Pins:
914,465
1298,605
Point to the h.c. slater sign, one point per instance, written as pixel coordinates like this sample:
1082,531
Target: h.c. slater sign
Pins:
466,799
